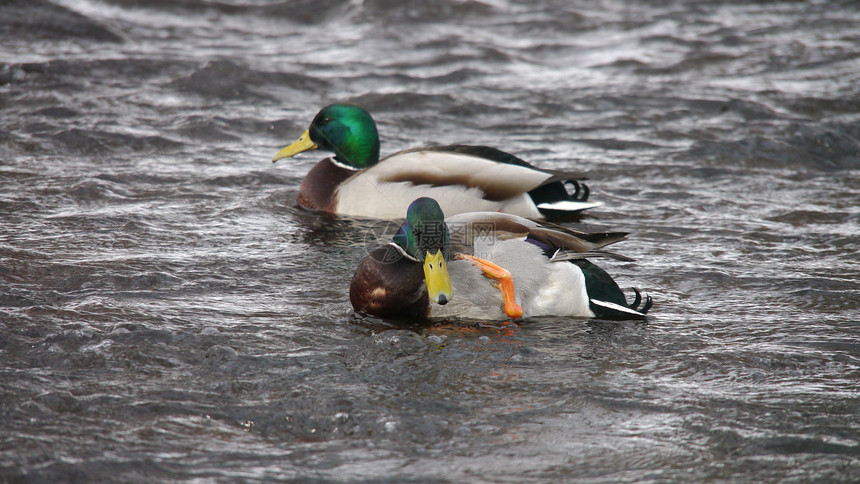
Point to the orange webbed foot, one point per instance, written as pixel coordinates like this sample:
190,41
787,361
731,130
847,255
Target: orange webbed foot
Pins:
504,278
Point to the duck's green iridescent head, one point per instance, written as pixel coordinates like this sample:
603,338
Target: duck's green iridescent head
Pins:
346,130
424,229
425,237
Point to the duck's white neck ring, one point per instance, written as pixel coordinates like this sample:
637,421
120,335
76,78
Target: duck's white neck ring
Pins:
342,165
403,252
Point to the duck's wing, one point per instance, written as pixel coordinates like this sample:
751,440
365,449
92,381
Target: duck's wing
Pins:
561,255
559,195
460,178
467,227
499,156
438,167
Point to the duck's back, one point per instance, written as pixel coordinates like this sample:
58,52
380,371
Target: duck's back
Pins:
459,182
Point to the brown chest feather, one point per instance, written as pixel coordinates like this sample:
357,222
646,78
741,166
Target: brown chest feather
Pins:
320,185
387,285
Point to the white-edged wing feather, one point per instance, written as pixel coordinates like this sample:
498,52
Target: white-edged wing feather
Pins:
569,205
616,307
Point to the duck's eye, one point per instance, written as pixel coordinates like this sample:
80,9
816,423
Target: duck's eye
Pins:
324,120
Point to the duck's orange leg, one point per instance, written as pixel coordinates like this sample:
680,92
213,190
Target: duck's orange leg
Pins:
504,278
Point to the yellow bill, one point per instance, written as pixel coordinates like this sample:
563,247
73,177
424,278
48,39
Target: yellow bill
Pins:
436,275
304,143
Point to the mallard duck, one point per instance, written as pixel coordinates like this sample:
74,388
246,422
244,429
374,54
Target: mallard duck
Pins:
461,178
489,266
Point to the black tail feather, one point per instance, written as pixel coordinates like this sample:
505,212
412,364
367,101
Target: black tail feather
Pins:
580,191
557,191
647,306
636,299
607,300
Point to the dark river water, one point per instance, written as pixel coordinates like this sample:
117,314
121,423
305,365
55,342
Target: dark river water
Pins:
168,314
